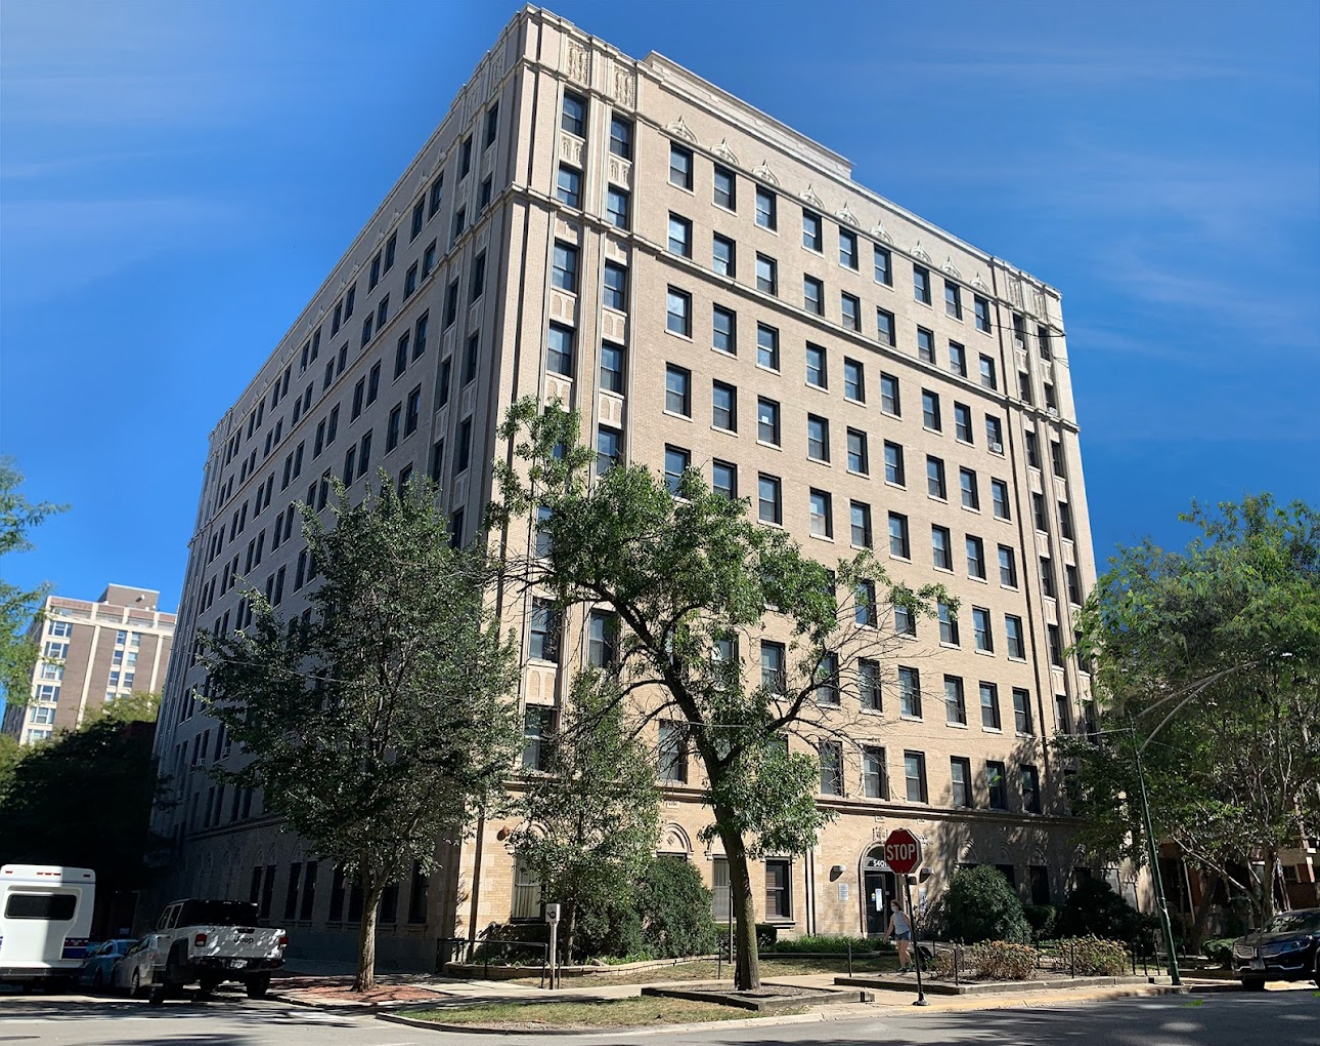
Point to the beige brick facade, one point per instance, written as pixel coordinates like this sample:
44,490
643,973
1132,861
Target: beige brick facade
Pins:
495,231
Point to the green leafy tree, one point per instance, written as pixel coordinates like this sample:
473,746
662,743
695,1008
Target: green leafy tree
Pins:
1092,908
983,906
696,584
18,606
592,816
83,798
383,726
1208,660
675,909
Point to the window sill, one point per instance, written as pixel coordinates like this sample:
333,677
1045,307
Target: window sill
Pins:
984,653
978,580
992,730
676,334
822,537
956,726
676,414
770,446
972,508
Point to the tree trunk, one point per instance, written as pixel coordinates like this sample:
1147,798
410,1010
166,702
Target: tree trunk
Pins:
1209,883
365,978
747,970
570,930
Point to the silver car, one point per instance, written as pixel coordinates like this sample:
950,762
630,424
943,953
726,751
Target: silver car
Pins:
132,973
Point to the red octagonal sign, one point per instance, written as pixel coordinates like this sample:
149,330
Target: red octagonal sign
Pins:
902,851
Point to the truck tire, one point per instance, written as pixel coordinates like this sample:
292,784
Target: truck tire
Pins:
208,984
257,985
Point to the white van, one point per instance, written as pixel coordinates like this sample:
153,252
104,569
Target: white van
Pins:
45,919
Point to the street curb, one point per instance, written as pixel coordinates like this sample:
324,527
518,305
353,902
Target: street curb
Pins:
645,1029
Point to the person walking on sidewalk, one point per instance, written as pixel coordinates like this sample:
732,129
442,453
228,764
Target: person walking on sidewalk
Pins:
900,930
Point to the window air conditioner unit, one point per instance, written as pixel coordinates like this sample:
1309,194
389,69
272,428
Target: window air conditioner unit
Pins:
998,448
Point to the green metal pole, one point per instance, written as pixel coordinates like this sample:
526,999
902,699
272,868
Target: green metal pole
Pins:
1160,903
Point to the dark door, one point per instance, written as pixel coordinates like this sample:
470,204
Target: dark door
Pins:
879,888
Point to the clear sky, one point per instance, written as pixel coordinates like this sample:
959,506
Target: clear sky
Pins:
177,178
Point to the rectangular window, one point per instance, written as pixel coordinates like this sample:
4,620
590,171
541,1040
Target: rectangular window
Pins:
1055,644
538,737
678,318
1013,637
921,284
874,780
1073,580
960,780
830,754
392,429
465,158
982,309
479,277
930,410
564,267
773,666
1033,450
460,223
1065,521
726,188
1007,567
724,256
914,772
941,549
822,514
898,536
678,390
609,448
409,286
894,471
868,684
401,353
778,890
559,353
1043,340
680,166
854,381
767,274
621,137
617,207
988,373
1022,710
850,312
952,300
611,367
925,345
848,249
971,495
616,287
724,330
818,438
545,629
672,754
813,237
574,115
889,398
858,456
994,434
985,639
451,304
413,411
813,295
996,781
602,638
724,406
677,461
948,625
962,422
860,517
767,346
957,359
909,692
935,486
769,500
463,453
492,125
865,609
766,209
724,479
884,325
1047,577
990,706
680,236
975,557
1030,790
435,196
568,187
955,704
999,499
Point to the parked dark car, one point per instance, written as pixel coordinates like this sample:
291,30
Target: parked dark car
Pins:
1287,948
99,965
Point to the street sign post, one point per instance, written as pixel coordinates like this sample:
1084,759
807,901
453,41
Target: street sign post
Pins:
903,855
552,917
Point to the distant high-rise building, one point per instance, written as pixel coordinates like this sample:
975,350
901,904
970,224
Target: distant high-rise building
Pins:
92,653
709,288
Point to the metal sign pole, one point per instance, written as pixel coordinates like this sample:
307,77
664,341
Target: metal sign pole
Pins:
552,915
916,945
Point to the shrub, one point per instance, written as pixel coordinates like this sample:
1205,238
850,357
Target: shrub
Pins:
1092,956
608,930
825,944
1092,909
1041,918
982,906
674,906
1002,960
766,935
1220,949
940,964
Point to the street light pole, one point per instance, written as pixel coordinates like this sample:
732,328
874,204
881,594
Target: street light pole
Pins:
1160,903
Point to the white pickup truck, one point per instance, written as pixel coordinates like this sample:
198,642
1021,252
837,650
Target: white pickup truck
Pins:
207,942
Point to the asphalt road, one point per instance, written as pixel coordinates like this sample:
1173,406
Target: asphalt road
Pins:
1276,1018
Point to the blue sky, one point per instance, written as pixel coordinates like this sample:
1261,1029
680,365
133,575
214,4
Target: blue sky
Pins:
177,178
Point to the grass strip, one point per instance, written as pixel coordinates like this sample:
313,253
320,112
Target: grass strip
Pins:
613,1013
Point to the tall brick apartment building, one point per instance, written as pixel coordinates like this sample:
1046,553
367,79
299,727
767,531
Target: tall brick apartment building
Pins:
92,652
708,287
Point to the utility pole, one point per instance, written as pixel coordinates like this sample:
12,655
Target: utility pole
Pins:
1160,903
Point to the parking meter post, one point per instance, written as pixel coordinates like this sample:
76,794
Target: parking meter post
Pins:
916,944
552,917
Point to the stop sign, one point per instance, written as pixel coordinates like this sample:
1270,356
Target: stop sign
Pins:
902,851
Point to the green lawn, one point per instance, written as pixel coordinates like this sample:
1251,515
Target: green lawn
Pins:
705,970
616,1013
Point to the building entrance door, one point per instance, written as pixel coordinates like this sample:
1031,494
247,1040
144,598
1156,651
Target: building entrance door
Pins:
878,886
